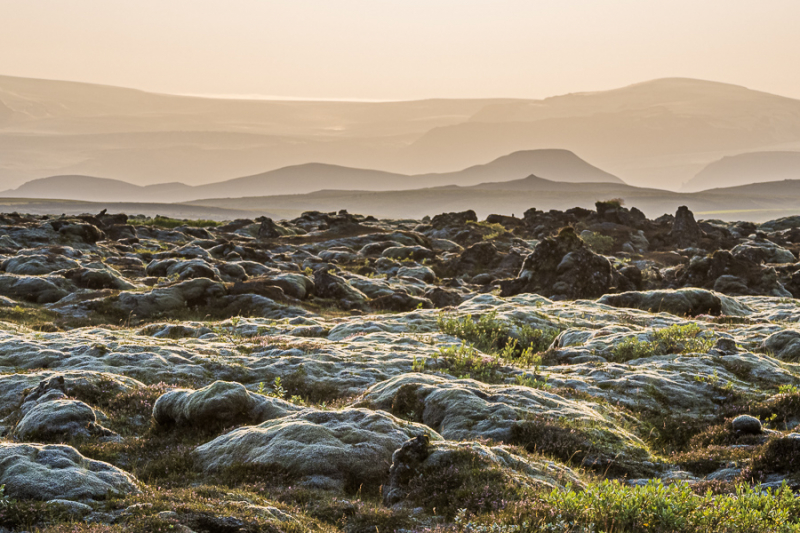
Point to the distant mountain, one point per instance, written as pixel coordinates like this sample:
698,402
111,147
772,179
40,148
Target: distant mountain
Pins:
558,165
755,167
659,133
757,202
91,189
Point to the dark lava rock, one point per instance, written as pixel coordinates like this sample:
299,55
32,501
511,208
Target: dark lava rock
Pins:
400,301
747,425
735,276
683,302
406,462
446,220
268,229
562,267
443,297
685,230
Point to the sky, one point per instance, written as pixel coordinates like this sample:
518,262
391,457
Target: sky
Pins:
401,49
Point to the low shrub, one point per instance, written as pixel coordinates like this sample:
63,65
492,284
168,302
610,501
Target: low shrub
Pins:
611,506
599,243
466,362
516,342
674,339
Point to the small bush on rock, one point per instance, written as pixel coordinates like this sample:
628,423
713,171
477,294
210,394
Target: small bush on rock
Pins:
467,363
489,334
675,339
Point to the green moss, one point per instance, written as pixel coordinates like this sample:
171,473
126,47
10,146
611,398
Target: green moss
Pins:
406,403
297,384
602,244
34,317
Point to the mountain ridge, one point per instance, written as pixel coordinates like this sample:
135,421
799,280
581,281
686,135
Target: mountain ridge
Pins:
309,177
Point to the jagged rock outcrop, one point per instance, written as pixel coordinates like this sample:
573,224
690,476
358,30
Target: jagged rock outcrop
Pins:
685,230
563,267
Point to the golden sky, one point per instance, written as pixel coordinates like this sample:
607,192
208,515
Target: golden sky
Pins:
401,49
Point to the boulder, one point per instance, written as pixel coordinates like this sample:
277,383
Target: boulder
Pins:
784,345
82,233
446,220
262,286
443,297
400,301
59,419
37,265
746,425
34,289
200,292
268,229
221,403
417,253
329,285
763,251
31,471
464,409
681,302
188,269
91,278
324,449
734,276
420,272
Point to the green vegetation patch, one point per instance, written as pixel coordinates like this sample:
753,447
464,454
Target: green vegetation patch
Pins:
611,506
465,362
467,481
675,339
489,230
170,223
515,342
581,443
602,244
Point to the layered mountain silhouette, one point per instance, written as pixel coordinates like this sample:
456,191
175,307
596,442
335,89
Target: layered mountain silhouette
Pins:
659,133
557,165
757,202
756,167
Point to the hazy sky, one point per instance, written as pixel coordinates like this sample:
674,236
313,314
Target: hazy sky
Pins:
401,49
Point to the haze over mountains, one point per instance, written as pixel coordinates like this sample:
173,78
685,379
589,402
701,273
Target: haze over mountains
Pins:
557,165
656,134
742,169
